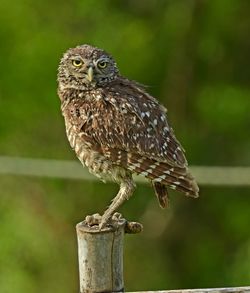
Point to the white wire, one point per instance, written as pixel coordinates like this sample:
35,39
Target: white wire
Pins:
205,175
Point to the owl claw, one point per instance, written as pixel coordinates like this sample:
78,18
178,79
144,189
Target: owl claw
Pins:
103,221
112,220
93,220
102,225
117,216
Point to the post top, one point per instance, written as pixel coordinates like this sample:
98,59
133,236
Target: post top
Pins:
112,227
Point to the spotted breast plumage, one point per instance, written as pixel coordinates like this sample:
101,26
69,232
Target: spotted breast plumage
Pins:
116,128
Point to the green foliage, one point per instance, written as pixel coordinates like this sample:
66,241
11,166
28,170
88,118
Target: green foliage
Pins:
194,56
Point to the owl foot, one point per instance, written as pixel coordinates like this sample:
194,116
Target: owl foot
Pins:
101,222
112,220
104,221
116,219
93,220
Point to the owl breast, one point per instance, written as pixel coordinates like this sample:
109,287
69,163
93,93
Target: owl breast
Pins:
90,155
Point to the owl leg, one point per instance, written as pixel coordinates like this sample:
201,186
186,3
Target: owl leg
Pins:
127,188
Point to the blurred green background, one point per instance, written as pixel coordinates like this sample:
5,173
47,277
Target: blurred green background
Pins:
195,57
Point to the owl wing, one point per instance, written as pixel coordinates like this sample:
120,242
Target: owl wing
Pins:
133,125
119,121
140,139
139,125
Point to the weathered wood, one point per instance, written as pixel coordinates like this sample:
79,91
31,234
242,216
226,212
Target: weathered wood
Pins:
100,254
210,290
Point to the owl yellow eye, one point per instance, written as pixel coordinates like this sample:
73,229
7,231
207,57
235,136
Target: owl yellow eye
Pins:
77,63
102,64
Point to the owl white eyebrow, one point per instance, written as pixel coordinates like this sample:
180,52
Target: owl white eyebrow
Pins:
105,59
76,57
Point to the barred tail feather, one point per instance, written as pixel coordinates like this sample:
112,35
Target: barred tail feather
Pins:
161,194
186,186
177,178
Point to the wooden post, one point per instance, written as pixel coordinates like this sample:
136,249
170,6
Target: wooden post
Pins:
100,254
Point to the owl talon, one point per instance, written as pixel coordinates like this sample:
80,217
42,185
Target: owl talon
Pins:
104,222
112,220
93,220
117,216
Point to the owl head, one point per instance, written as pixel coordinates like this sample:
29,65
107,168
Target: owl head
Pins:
86,67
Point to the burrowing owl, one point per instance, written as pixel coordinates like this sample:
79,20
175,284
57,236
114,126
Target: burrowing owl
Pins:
116,128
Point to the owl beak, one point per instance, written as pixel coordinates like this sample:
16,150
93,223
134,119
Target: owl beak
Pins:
90,74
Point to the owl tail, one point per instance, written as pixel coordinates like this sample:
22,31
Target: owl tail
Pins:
161,194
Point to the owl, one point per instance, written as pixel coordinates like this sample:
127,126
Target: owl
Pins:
117,129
